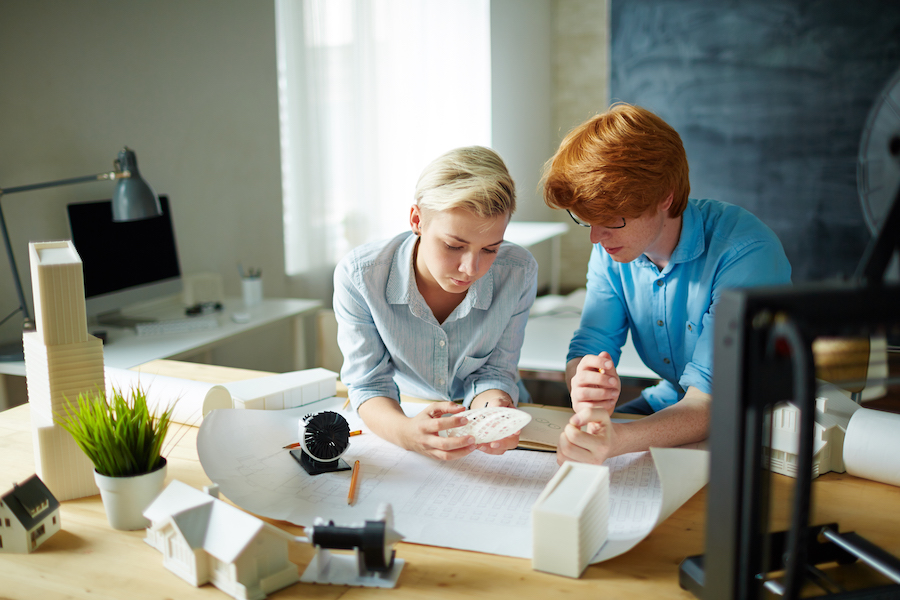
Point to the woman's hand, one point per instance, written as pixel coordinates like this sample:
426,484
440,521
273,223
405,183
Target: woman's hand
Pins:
386,419
595,384
422,432
593,445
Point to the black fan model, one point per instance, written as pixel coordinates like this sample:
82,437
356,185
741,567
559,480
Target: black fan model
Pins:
324,437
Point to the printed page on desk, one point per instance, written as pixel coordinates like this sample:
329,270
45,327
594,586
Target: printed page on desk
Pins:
481,503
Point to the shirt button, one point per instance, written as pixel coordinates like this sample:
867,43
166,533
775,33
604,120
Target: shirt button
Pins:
666,360
660,323
442,343
440,382
659,282
690,327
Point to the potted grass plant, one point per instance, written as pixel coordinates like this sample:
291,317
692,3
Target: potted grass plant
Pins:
124,439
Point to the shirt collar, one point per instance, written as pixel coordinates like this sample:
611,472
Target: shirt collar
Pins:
691,242
402,289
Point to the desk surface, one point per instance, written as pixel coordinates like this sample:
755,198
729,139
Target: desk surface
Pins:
87,559
125,349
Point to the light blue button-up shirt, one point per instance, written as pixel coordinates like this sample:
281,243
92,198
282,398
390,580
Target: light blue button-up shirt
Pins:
670,312
392,342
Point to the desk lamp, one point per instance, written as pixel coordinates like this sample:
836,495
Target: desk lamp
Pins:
132,200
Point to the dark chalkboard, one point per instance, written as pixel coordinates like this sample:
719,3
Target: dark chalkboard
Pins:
770,99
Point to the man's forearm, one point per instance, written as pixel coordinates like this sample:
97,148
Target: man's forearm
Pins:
685,422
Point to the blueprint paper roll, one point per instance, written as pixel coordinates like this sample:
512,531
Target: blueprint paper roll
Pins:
195,398
872,446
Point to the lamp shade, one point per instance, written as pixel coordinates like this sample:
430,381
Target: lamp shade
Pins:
133,199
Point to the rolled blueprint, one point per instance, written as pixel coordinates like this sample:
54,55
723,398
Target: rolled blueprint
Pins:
872,446
194,398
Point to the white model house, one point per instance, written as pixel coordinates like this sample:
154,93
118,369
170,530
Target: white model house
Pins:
205,540
29,515
832,417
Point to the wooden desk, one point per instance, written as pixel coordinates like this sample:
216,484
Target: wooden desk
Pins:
87,559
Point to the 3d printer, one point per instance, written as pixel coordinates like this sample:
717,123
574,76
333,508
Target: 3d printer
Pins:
764,354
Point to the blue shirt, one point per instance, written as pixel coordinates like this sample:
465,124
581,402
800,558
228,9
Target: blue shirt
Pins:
392,342
670,312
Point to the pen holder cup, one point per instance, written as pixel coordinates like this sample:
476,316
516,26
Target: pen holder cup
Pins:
252,290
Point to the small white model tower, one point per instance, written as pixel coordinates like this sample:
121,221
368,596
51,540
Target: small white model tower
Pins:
570,519
61,361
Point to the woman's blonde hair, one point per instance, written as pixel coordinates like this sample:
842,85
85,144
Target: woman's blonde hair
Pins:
620,163
474,178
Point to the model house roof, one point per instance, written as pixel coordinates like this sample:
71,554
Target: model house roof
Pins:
217,527
30,502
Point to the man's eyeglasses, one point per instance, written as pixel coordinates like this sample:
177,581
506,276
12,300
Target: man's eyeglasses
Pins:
581,223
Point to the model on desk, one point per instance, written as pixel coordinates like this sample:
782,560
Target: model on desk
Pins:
658,266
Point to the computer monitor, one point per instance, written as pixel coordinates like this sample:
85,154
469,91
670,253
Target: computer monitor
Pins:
124,263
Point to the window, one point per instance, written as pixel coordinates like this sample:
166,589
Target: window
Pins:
370,91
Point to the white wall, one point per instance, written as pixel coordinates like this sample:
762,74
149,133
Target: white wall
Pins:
190,85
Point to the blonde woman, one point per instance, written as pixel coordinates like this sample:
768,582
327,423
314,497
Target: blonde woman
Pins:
438,312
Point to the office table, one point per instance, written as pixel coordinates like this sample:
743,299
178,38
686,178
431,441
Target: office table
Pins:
88,559
125,349
547,343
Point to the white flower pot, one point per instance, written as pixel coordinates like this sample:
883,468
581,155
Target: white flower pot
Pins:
126,498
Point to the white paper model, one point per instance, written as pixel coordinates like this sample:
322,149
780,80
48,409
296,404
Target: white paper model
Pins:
832,417
286,390
489,424
204,540
569,520
61,361
29,515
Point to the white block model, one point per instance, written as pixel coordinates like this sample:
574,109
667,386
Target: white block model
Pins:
832,417
29,515
204,540
569,520
287,390
61,361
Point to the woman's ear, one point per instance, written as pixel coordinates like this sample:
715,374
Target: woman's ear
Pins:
415,219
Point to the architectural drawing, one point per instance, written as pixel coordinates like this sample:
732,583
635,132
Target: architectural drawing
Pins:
480,502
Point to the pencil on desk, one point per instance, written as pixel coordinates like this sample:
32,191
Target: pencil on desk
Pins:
346,404
294,445
353,479
357,432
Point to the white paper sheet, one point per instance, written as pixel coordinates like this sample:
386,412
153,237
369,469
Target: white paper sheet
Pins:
481,502
195,398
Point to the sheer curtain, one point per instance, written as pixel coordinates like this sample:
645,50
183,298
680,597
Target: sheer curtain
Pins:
370,91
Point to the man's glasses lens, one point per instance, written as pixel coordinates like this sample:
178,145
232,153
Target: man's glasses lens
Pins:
615,224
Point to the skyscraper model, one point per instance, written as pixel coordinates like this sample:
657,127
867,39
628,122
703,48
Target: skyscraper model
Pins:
62,360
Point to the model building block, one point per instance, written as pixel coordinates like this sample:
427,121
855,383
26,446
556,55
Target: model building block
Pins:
833,415
61,361
29,515
205,540
569,520
287,390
